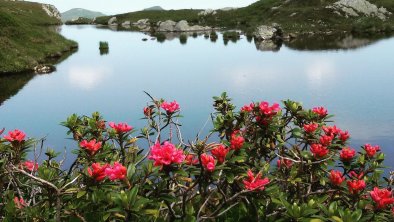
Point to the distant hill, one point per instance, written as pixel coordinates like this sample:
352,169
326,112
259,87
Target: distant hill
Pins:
75,13
154,8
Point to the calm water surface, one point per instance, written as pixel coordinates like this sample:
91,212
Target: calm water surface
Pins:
356,85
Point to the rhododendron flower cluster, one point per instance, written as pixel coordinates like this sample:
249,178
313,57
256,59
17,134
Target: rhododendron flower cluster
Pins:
30,165
166,154
236,141
344,136
371,150
116,172
208,162
15,135
255,182
19,202
355,186
120,127
248,108
336,177
347,154
382,197
319,150
321,111
92,146
191,159
310,128
170,107
268,110
220,152
97,171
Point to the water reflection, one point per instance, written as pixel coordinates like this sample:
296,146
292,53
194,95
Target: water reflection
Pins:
355,85
10,85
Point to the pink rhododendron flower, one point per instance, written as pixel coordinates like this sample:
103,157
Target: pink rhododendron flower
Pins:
236,142
208,162
166,154
326,140
248,108
336,177
331,130
92,146
30,166
284,162
310,128
344,136
191,159
170,107
220,152
19,202
148,111
321,111
347,154
255,183
116,172
269,110
355,186
97,171
120,127
15,135
382,197
371,150
319,150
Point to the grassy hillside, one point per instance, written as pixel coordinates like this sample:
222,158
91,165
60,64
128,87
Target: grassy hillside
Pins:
292,15
75,13
26,38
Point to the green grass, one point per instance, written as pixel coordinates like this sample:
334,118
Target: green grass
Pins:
27,38
308,16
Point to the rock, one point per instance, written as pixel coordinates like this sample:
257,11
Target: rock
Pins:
359,7
182,26
264,32
112,21
293,14
43,69
207,12
144,39
142,22
227,9
126,24
51,11
153,38
167,26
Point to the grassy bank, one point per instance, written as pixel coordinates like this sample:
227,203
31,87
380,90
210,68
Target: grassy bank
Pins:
27,38
300,16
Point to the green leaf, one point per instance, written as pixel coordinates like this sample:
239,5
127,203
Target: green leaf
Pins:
80,194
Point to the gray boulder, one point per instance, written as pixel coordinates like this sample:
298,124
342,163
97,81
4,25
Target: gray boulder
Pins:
207,12
166,26
265,32
112,21
358,8
267,45
182,26
126,24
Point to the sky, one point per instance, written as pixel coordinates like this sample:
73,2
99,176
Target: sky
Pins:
120,6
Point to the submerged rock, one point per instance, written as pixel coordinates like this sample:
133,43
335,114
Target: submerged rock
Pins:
267,45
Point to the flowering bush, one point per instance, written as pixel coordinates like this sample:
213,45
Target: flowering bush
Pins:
269,163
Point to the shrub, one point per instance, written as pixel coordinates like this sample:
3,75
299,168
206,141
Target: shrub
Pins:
268,163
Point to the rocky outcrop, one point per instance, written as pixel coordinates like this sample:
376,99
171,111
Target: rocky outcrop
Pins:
126,24
143,25
51,11
181,26
113,21
265,32
166,26
359,8
207,12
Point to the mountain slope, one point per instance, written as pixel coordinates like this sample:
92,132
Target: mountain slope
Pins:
154,8
26,39
75,13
